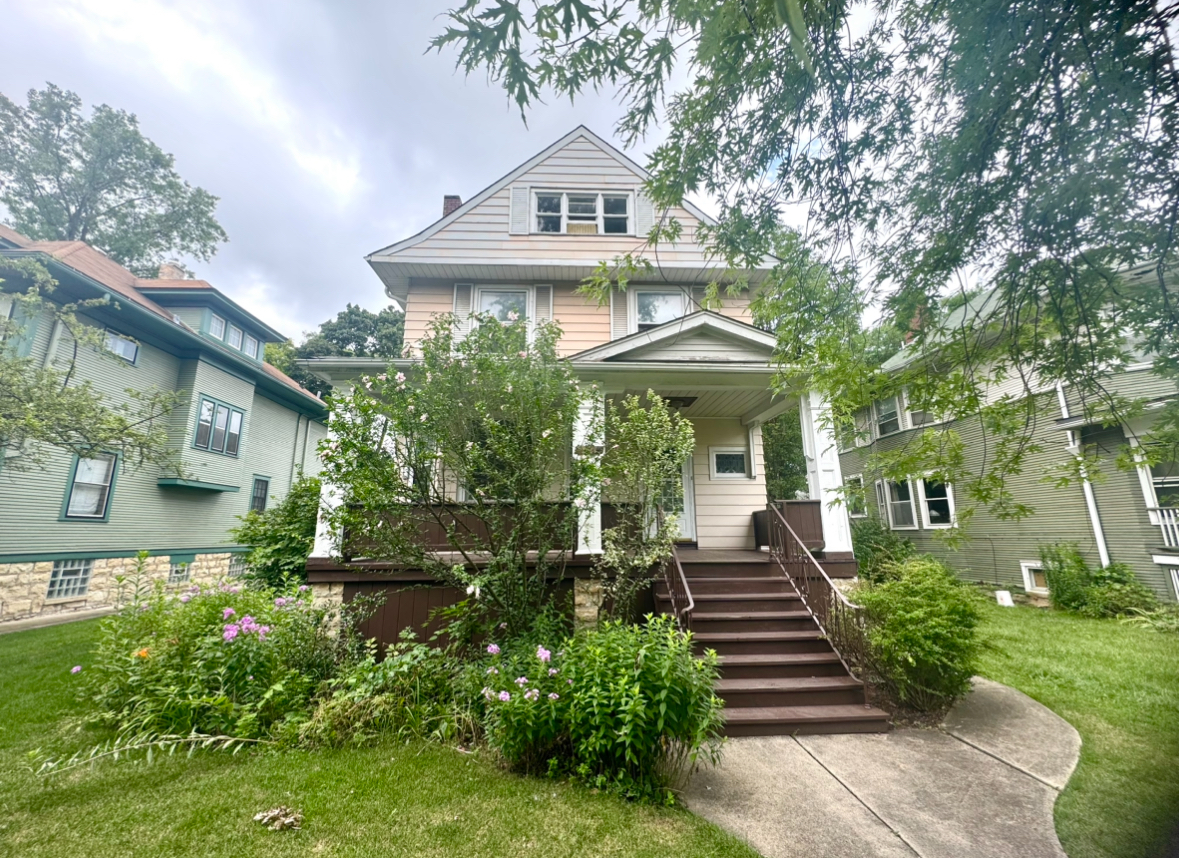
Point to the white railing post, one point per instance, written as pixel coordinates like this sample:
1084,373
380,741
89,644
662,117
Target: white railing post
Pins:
327,541
588,432
1169,519
823,475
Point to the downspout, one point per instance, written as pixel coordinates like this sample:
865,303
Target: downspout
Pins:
1074,446
294,448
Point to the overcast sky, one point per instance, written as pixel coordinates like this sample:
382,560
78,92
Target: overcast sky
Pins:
324,127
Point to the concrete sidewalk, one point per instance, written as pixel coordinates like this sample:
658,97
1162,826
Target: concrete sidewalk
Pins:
982,786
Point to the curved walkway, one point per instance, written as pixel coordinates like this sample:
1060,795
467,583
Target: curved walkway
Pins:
981,786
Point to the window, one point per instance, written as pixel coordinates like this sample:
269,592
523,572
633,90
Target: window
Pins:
178,572
217,327
235,336
657,308
258,498
902,515
727,463
581,213
237,565
122,346
888,418
881,500
70,579
1164,476
937,502
251,346
90,489
219,428
1034,580
502,303
853,494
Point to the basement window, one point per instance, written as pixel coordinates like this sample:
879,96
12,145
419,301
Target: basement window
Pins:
1034,580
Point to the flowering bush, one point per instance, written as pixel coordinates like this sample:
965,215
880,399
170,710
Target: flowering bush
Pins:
217,660
625,708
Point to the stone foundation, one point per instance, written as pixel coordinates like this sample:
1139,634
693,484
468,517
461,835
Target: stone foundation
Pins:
587,603
24,586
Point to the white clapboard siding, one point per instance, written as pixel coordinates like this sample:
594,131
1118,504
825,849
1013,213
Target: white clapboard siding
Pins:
463,293
521,202
703,346
725,507
544,304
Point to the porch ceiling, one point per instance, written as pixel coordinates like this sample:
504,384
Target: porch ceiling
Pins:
730,402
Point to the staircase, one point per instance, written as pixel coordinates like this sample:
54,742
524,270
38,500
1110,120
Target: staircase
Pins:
779,675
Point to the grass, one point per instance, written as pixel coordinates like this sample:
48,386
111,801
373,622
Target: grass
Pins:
389,799
1119,686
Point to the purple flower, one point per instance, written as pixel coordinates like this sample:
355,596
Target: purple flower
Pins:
280,602
553,671
230,632
263,631
493,649
543,654
521,681
303,588
554,696
227,613
487,694
504,696
77,668
531,694
184,599
568,681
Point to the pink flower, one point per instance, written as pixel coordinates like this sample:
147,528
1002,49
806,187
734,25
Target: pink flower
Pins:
303,588
531,694
185,598
493,649
227,613
513,315
280,602
554,696
543,654
492,670
230,632
400,378
77,668
504,696
523,354
521,681
569,681
579,503
553,671
487,693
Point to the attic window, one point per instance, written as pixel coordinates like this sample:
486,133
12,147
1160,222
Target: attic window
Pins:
581,213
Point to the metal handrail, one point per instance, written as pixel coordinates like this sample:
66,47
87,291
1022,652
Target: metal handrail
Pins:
682,603
840,620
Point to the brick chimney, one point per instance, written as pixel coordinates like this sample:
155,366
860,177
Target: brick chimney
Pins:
450,202
171,271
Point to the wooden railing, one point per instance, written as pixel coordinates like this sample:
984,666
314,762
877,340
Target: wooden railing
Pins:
1169,519
682,603
840,621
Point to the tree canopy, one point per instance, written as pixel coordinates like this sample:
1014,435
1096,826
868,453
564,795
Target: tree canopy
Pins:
67,178
919,148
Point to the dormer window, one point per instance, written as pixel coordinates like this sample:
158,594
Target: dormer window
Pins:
582,213
235,336
216,327
251,346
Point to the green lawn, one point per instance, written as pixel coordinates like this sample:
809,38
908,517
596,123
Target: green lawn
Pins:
420,800
1119,686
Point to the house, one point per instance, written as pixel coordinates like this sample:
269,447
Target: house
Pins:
241,432
523,245
1129,517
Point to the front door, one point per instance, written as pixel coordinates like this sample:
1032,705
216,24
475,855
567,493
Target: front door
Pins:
679,498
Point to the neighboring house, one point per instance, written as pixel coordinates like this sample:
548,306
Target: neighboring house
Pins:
242,431
526,242
1120,516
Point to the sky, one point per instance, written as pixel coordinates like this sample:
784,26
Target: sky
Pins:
325,128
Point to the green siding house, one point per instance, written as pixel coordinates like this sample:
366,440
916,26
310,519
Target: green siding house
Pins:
1130,517
241,432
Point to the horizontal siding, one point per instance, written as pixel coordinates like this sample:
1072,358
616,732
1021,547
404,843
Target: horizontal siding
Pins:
724,508
701,346
995,548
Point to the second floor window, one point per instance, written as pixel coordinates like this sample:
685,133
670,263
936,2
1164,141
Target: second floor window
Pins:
582,213
655,308
251,347
235,336
90,490
502,303
259,495
122,346
888,417
1165,477
219,428
217,327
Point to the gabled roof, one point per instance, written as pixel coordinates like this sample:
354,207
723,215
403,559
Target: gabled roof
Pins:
747,343
501,183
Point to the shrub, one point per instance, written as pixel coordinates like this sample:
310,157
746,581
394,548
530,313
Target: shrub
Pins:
877,548
281,538
1108,591
411,693
921,625
1164,618
216,660
627,708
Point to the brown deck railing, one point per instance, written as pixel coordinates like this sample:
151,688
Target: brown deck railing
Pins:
682,603
838,619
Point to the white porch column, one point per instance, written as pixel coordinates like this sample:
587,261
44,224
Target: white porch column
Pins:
823,476
588,441
327,542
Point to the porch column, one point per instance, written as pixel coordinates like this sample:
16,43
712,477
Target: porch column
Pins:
588,443
327,543
823,476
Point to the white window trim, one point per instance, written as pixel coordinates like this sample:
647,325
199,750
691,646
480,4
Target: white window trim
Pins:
916,525
925,505
534,229
246,346
529,300
863,494
712,472
117,336
224,326
229,329
876,433
1029,583
632,308
881,499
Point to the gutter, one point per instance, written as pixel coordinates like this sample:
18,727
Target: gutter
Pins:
1074,447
